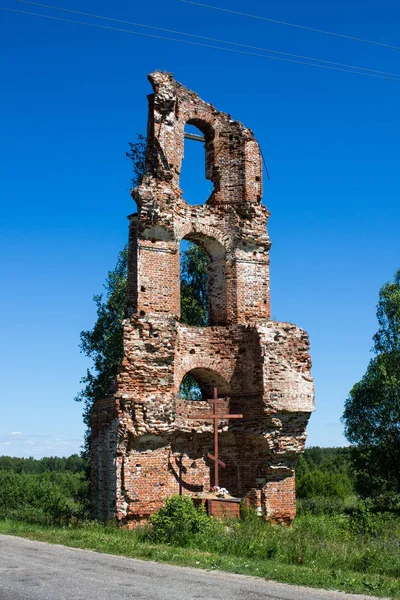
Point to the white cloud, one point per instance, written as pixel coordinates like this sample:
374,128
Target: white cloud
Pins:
16,443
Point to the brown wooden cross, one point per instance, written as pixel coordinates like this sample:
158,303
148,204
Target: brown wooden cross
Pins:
215,417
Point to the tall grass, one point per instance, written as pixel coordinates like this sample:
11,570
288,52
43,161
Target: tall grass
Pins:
321,551
360,542
336,541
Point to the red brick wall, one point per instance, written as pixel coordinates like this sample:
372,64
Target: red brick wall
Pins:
219,510
145,445
280,499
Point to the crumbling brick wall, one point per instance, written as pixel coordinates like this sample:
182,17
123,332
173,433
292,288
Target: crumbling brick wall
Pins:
144,445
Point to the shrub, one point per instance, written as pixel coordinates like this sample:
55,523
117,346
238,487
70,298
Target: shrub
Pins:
324,483
368,518
178,521
320,505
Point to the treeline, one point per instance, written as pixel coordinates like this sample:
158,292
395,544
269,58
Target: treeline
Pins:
72,464
333,481
54,490
49,490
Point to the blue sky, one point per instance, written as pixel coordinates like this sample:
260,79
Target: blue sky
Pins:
71,99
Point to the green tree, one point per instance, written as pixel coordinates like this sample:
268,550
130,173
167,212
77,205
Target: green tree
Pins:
194,300
103,344
73,464
372,410
324,472
194,265
48,497
137,156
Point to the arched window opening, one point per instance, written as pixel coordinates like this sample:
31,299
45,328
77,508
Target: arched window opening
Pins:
198,384
194,284
203,281
190,389
197,188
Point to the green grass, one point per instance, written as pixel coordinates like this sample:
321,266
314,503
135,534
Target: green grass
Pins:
317,551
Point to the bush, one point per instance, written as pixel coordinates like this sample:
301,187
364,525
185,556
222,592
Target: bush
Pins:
320,505
324,483
178,521
371,518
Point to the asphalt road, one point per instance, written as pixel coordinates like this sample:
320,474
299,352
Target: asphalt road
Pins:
38,571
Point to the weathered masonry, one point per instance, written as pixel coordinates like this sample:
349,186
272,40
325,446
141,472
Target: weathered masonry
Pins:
144,445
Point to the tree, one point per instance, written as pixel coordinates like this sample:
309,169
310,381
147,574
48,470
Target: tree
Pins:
372,410
103,344
194,299
324,472
194,281
137,156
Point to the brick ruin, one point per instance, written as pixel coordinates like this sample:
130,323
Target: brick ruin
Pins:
144,446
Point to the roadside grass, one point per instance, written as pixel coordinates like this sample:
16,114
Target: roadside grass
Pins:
317,551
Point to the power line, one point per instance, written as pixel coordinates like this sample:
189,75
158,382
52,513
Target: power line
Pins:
192,35
198,44
242,14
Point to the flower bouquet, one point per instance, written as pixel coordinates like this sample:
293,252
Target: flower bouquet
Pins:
220,492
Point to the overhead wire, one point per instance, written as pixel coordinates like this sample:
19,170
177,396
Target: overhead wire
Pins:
198,44
286,24
210,39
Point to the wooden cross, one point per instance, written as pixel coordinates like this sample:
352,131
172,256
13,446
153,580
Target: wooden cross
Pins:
215,417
